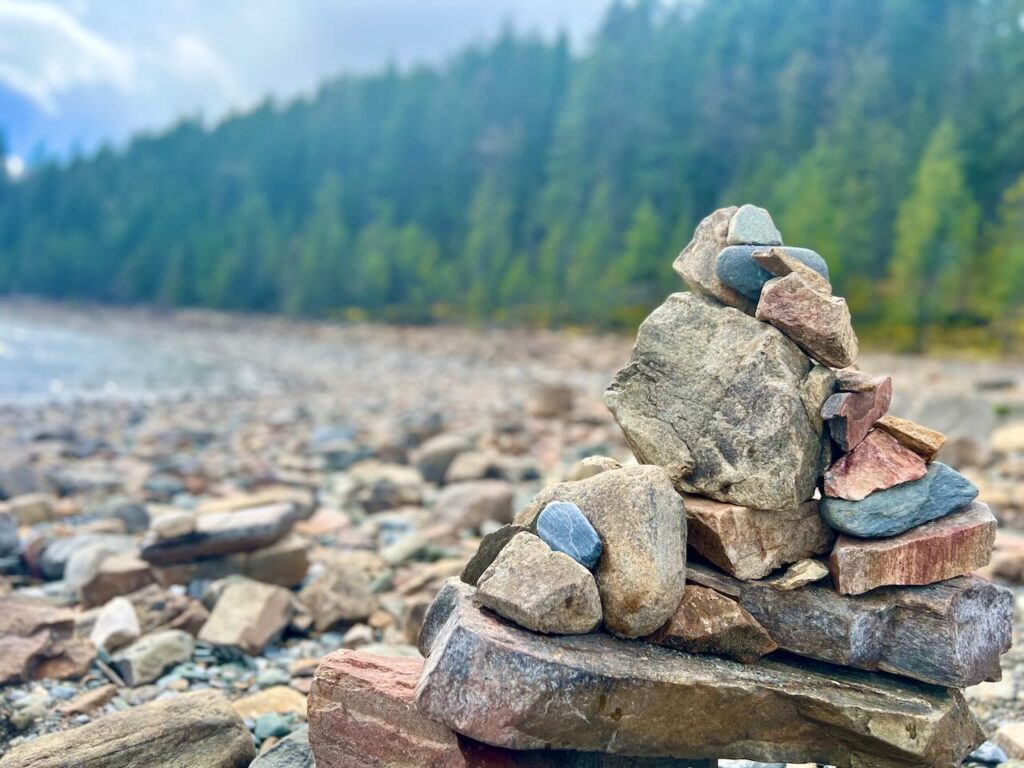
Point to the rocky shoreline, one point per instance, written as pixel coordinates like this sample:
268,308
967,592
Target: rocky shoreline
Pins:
317,492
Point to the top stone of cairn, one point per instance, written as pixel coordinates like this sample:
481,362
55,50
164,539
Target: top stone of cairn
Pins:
751,225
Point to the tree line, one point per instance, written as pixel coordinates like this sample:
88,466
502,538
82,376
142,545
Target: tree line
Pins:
520,182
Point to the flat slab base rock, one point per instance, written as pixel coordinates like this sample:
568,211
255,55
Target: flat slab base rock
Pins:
955,545
508,687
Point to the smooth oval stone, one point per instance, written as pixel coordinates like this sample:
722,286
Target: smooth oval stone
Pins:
902,507
738,270
562,526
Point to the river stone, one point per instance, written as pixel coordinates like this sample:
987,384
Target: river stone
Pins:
696,263
950,633
753,225
800,574
902,507
951,546
851,415
293,751
497,683
751,543
193,730
921,440
737,269
248,615
592,465
877,463
116,625
817,321
708,622
716,398
146,659
642,524
490,546
852,380
540,589
563,527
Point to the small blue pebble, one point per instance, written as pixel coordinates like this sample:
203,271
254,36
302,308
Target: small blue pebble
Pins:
562,526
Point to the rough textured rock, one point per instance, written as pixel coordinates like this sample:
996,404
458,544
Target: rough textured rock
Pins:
31,631
800,574
146,659
921,440
343,591
490,546
293,751
851,415
751,224
596,692
225,532
902,507
540,589
780,263
116,625
877,463
641,521
696,263
468,504
194,730
708,622
852,380
951,633
955,545
118,574
715,398
737,269
563,527
751,543
248,615
818,322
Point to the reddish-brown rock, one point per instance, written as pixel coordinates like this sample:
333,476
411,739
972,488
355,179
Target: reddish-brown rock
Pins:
751,543
818,322
31,631
780,263
878,462
951,546
851,415
708,622
118,574
921,440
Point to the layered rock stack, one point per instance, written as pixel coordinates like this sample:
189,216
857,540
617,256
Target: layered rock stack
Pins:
681,609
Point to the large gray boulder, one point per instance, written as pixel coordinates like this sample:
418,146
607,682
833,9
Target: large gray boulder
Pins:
723,403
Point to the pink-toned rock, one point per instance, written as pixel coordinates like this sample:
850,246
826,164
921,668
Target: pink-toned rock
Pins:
818,322
951,546
878,462
851,415
708,622
31,631
118,574
780,263
751,543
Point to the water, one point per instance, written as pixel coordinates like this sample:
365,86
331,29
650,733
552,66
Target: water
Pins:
44,361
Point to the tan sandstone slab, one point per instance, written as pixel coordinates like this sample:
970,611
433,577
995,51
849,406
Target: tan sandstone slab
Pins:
951,546
922,440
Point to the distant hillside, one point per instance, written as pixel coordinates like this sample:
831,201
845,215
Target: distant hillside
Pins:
519,183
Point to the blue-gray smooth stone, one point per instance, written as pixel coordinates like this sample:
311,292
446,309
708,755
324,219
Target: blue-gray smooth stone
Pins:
737,269
902,507
562,526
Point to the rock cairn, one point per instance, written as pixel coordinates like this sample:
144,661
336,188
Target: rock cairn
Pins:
680,610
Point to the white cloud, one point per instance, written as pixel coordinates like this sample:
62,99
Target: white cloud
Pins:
14,166
45,51
192,59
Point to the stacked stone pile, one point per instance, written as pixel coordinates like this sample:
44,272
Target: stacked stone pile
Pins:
741,592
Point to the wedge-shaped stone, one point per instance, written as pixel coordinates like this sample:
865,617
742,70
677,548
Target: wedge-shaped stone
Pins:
642,524
879,462
902,507
540,589
751,224
496,683
780,263
696,263
951,633
225,532
954,545
193,730
851,415
751,543
708,622
737,269
817,321
715,398
921,440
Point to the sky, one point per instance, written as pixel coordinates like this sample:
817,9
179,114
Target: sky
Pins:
75,74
